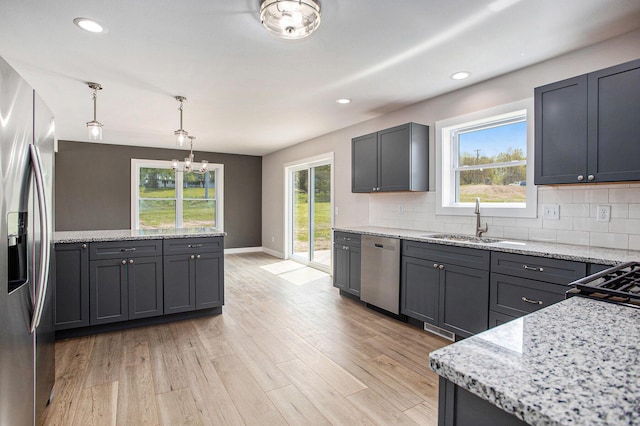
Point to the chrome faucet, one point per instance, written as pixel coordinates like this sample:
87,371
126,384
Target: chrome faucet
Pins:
479,230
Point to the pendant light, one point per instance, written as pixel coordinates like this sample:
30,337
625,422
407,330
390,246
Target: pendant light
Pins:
290,19
181,134
189,162
94,126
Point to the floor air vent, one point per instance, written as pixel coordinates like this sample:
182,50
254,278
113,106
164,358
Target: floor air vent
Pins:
440,332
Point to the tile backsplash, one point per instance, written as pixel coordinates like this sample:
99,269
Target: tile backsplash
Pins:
577,223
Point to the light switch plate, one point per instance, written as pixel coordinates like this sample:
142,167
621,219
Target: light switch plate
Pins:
603,214
551,211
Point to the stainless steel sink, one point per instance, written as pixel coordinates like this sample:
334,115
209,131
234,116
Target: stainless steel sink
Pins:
464,238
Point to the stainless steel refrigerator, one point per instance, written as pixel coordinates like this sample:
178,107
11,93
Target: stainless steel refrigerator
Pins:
27,358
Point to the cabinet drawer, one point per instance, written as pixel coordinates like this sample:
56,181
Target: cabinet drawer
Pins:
128,249
519,296
537,268
193,245
461,256
346,238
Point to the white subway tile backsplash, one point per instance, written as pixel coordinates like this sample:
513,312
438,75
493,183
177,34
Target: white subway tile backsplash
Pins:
577,224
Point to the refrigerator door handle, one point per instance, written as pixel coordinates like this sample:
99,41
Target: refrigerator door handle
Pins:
45,249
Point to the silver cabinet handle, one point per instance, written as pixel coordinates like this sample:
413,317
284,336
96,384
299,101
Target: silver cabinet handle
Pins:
440,266
591,177
534,302
197,256
45,244
127,250
348,239
346,248
580,178
194,245
130,260
193,257
435,266
84,246
124,262
532,268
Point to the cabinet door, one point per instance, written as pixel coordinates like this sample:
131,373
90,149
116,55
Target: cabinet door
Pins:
144,276
179,283
614,108
464,300
72,286
340,267
561,132
364,163
209,280
108,290
355,271
394,158
420,287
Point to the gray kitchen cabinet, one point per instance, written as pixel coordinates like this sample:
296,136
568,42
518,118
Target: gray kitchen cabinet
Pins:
394,159
346,262
125,280
446,286
72,285
459,407
586,127
193,274
521,284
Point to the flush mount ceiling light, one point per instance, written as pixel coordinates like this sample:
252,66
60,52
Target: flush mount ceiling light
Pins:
94,126
188,162
460,75
290,19
343,101
181,134
90,25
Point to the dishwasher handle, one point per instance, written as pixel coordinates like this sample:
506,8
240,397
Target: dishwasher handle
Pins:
378,245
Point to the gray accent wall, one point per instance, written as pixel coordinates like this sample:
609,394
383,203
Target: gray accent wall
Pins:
93,188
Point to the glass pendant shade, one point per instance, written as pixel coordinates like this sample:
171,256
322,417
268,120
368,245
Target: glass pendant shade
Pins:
290,19
95,130
204,166
181,137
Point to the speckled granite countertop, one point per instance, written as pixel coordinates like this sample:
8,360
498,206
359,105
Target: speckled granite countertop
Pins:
553,250
133,234
573,363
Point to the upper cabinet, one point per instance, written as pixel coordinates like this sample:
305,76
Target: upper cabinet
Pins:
587,128
395,159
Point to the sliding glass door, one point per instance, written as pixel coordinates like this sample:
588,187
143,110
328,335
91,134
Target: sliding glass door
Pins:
310,213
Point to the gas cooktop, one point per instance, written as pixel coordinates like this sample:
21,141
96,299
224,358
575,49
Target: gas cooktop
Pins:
618,284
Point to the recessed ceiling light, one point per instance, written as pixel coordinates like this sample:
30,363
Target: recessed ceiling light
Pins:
460,75
344,101
90,25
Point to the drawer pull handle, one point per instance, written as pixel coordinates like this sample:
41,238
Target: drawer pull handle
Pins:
533,268
345,247
84,246
535,302
194,245
127,249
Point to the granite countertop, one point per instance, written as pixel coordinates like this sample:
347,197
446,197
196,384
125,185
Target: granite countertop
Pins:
535,248
133,234
576,362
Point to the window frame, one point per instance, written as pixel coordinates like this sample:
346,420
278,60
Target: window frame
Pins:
137,164
447,161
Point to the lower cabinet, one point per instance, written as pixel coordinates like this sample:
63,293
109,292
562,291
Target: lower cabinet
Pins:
72,285
459,407
194,277
346,262
124,289
437,289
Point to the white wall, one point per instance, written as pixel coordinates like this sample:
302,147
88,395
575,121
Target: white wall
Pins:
577,223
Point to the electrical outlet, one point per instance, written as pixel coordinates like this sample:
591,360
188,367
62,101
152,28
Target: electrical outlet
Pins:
337,211
273,239
551,211
603,214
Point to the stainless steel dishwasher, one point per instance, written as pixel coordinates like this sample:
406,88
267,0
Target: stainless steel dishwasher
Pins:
380,285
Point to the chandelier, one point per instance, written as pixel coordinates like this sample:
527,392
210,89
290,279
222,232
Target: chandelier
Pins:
290,19
189,162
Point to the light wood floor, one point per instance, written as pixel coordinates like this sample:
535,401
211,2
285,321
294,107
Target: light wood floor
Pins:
282,352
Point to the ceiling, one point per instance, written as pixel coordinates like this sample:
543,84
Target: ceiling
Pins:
250,92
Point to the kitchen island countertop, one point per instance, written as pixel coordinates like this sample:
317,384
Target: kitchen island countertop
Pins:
589,254
576,362
133,234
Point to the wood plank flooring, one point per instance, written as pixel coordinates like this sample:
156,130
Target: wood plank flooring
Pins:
283,352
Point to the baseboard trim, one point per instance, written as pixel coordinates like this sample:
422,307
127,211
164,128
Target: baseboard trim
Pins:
243,250
273,253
